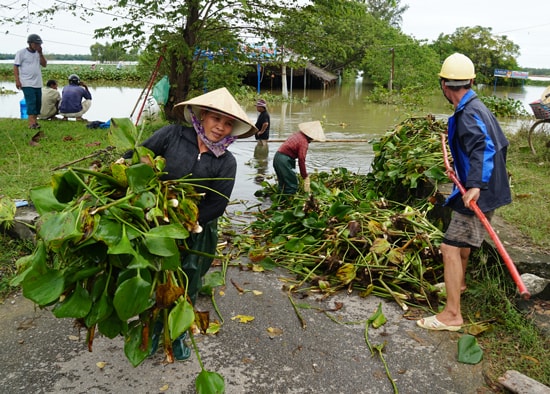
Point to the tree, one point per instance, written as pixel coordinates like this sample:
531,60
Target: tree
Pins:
347,35
486,50
389,11
414,65
335,35
111,53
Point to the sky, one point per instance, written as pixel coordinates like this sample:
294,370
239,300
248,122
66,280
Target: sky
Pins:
528,27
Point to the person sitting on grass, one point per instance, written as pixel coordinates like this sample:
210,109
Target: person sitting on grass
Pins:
76,99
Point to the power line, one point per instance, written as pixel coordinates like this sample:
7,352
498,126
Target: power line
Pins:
96,11
524,28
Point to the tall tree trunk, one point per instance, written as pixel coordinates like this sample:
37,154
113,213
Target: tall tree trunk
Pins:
181,62
180,81
283,81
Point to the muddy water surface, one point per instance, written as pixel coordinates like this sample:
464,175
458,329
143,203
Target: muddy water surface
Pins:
345,115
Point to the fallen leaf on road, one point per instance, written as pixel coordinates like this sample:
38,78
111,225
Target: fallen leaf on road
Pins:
202,318
213,328
243,318
274,332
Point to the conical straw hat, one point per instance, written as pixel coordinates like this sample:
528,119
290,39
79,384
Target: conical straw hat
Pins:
219,100
313,130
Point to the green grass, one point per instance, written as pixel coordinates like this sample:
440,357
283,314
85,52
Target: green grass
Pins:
23,166
530,176
12,249
129,74
513,342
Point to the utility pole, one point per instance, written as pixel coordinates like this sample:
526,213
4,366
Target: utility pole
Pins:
390,84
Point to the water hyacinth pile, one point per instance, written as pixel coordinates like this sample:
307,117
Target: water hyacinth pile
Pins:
408,161
348,235
108,249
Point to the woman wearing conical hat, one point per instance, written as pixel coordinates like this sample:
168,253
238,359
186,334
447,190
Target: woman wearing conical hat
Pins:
295,148
200,151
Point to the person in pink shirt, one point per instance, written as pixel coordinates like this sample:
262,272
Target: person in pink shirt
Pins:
295,148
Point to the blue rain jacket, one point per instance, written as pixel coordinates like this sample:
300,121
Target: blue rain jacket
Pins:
478,146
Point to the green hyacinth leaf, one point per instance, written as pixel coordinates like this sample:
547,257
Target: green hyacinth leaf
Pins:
108,231
56,228
139,177
100,310
212,280
77,305
176,231
132,297
111,326
469,351
161,246
209,383
378,319
133,345
66,186
122,134
43,288
44,200
180,319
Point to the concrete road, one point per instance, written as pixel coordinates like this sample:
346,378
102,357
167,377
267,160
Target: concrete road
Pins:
42,354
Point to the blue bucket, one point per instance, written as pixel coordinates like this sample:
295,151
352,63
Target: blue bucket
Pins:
23,108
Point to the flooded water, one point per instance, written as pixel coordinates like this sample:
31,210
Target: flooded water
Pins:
343,111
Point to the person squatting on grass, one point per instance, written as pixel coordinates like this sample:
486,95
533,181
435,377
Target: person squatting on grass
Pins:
76,99
50,101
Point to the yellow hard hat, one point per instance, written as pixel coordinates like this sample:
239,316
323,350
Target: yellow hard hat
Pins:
458,67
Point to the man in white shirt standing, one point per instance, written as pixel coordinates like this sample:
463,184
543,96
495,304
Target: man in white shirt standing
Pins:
28,76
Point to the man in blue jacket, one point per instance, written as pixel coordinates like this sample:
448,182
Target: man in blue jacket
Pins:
478,147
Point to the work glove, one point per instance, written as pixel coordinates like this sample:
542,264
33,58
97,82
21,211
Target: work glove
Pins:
307,185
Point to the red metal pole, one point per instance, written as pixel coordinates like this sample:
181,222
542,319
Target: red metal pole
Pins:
151,80
474,207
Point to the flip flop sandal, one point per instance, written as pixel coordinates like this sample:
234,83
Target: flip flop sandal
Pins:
431,323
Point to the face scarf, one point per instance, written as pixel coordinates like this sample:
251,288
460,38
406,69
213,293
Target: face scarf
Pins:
217,148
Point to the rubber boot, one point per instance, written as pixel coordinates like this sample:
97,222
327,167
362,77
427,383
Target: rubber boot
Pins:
155,338
181,351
